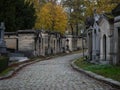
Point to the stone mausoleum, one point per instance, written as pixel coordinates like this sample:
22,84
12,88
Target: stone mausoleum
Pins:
103,37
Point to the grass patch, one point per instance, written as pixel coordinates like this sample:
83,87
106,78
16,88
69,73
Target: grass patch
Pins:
6,71
109,71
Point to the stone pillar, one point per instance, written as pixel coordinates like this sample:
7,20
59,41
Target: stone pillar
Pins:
115,46
89,43
2,42
93,45
44,44
98,45
108,51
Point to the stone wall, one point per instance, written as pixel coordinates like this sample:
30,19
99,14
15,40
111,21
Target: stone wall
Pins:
35,43
11,41
26,42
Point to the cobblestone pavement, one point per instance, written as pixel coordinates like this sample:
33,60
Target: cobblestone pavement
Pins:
53,74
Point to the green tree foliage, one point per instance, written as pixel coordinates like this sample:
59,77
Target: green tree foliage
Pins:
16,14
75,13
25,15
7,13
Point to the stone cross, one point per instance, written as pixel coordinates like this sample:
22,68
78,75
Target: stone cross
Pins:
96,16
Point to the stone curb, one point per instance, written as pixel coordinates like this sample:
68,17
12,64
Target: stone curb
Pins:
109,81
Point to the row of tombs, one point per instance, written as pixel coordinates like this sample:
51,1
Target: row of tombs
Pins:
103,33
39,42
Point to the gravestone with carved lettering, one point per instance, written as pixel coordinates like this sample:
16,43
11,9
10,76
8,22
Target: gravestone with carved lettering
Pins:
2,42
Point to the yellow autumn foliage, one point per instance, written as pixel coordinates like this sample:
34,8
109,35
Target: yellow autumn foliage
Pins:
101,6
51,17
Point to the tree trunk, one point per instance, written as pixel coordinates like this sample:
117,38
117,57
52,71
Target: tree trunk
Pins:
77,29
71,29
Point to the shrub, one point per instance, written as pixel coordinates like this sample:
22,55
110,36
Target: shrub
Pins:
3,63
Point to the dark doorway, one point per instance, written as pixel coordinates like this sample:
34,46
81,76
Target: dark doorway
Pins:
104,48
90,45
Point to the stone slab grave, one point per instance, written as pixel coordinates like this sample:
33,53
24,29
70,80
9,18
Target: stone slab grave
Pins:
17,57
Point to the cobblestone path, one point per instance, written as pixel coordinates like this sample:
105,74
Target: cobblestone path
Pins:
53,74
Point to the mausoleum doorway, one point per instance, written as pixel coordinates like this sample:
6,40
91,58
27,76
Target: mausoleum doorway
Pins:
104,47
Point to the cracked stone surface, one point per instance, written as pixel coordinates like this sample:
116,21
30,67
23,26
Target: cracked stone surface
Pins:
53,74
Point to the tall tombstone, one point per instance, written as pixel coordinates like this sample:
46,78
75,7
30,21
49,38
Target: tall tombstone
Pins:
2,42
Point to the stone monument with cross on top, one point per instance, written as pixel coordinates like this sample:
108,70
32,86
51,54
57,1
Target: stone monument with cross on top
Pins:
2,42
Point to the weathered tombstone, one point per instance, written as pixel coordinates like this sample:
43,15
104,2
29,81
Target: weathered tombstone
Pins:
2,42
